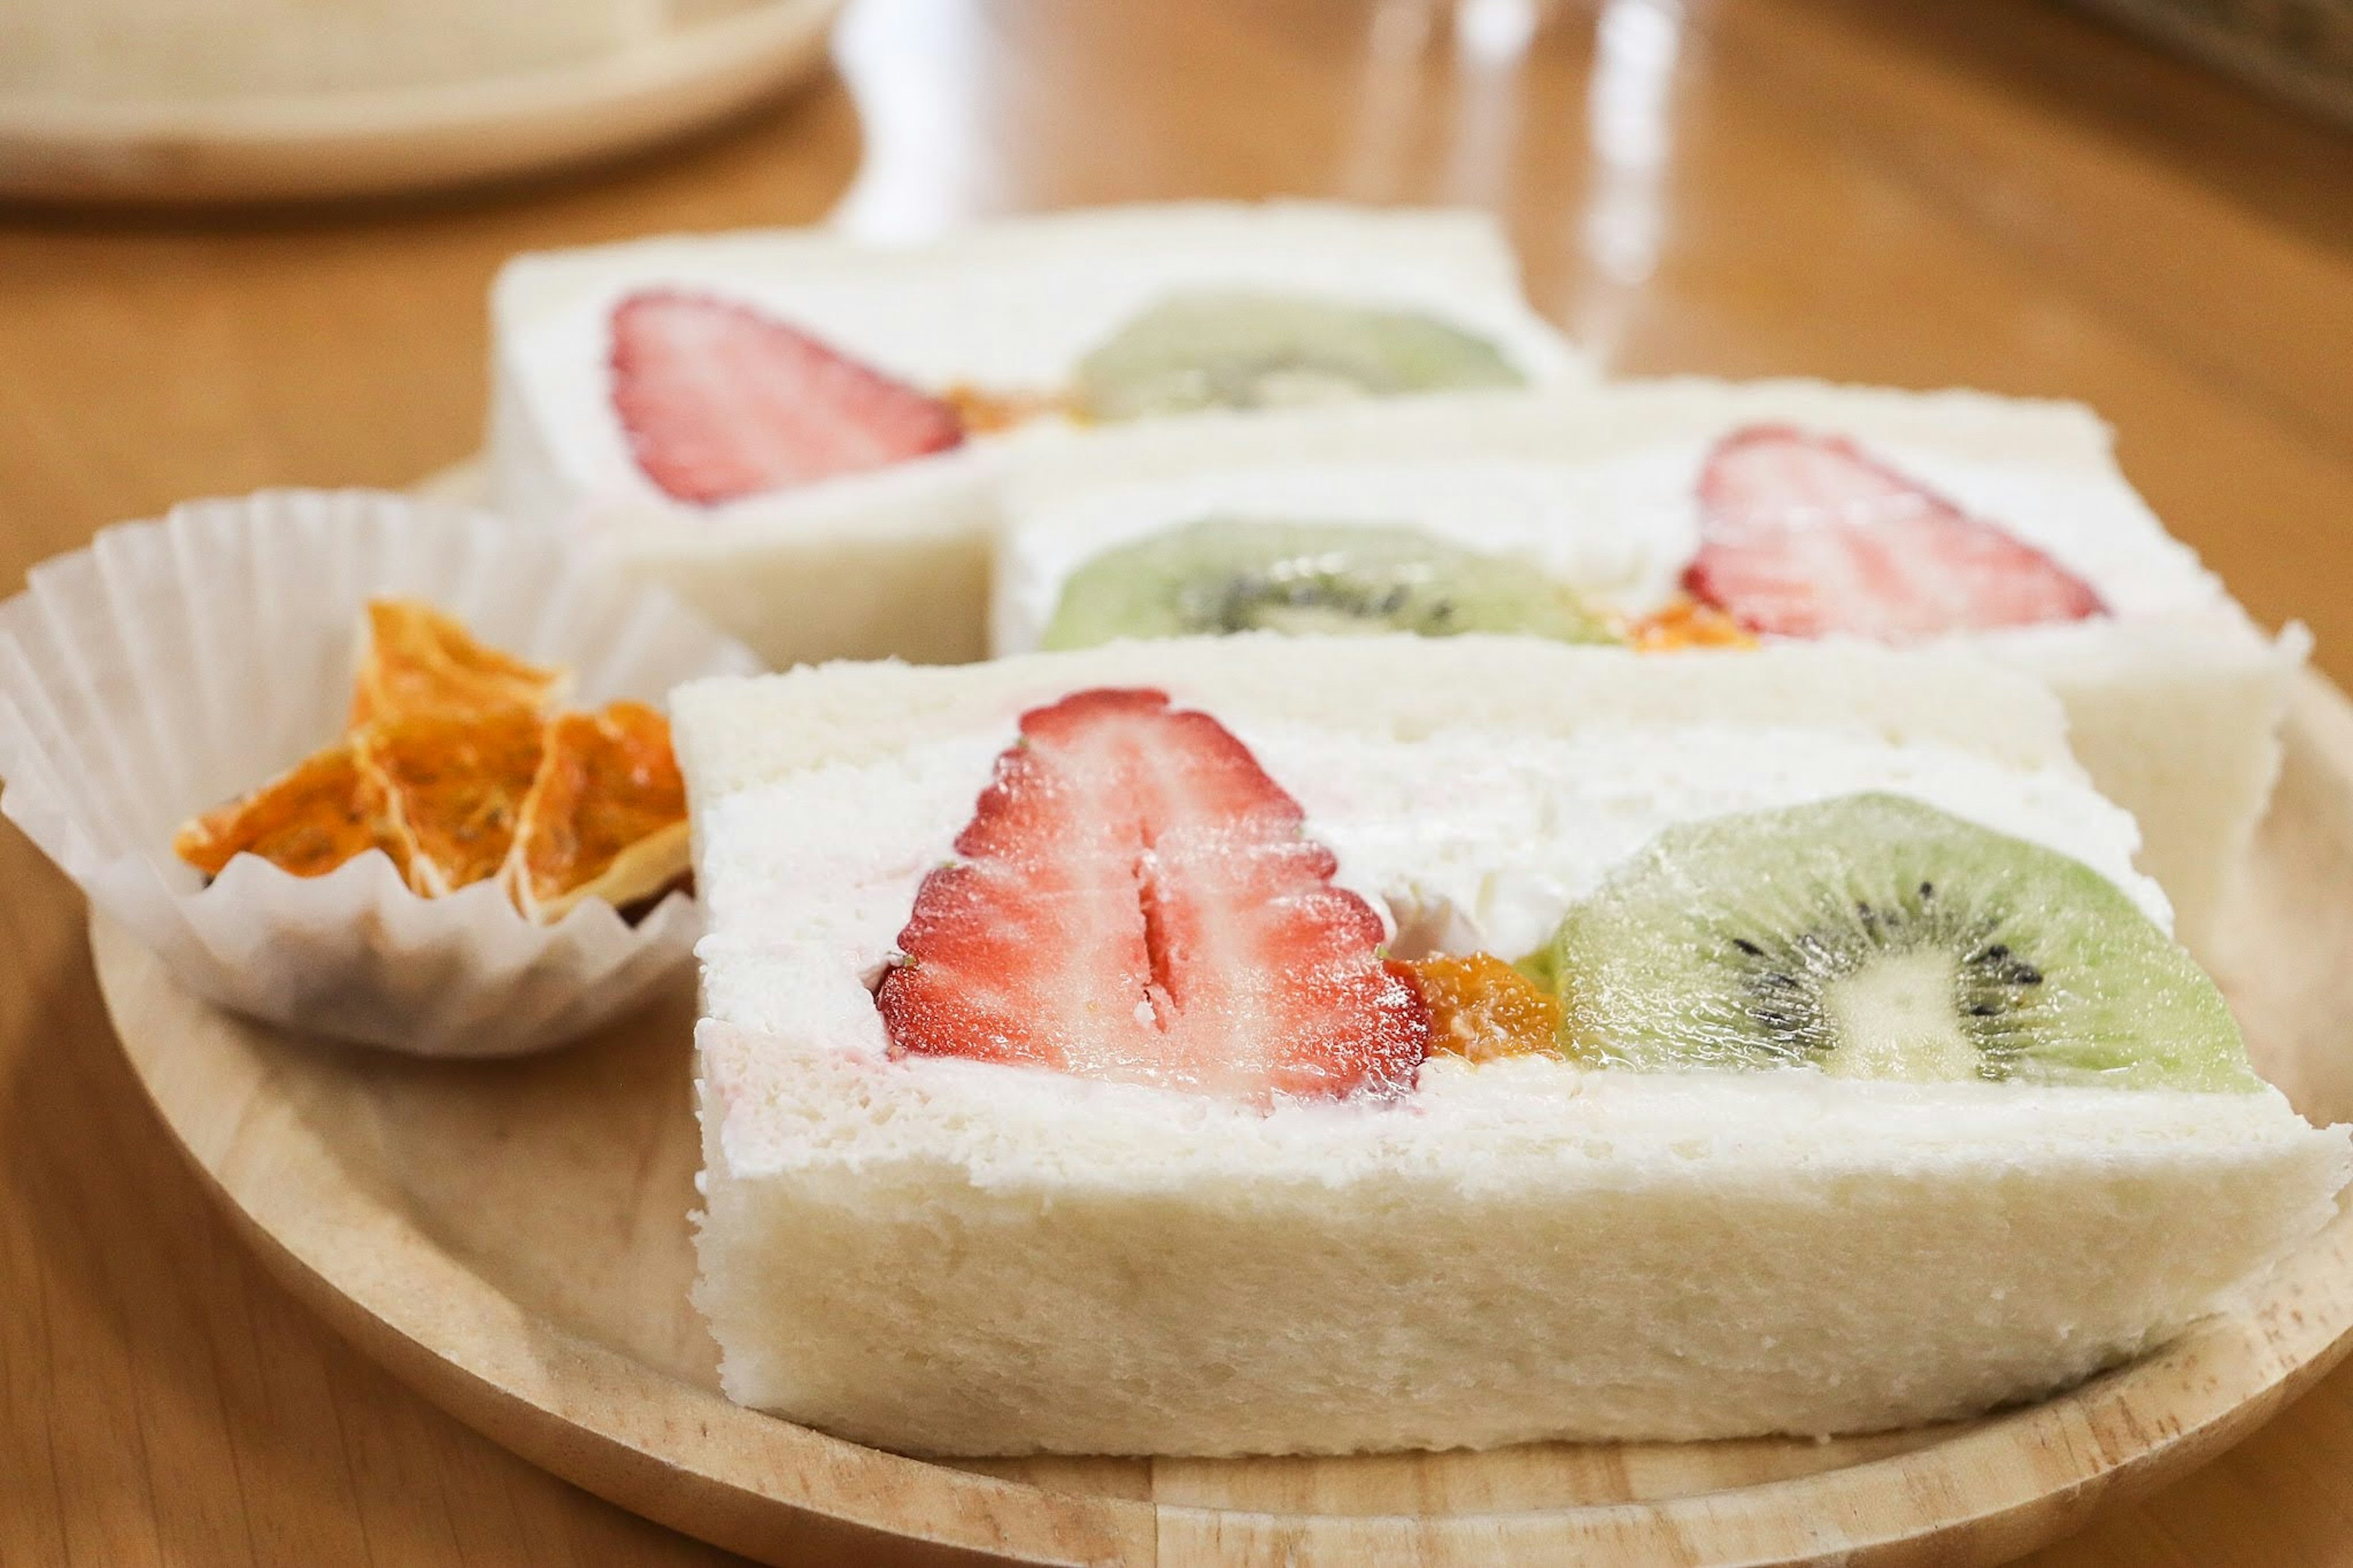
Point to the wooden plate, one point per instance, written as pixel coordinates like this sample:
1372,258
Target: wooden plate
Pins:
510,1239
379,141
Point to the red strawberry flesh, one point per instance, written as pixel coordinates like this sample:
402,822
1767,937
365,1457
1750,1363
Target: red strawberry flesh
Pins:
720,402
1804,536
1134,900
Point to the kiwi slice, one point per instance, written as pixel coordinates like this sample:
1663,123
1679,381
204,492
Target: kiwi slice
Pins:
1873,936
1239,349
1223,575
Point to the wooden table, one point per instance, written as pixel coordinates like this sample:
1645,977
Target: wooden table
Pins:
2006,196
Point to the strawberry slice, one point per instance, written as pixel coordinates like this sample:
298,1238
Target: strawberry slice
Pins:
1134,900
1803,536
719,402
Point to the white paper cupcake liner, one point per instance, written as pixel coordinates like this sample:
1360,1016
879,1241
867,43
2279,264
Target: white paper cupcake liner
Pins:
175,665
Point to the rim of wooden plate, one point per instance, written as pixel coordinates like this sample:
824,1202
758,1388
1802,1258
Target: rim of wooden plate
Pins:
379,141
760,1486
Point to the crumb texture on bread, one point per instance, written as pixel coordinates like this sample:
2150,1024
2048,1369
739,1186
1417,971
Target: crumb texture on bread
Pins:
944,1257
732,734
2176,718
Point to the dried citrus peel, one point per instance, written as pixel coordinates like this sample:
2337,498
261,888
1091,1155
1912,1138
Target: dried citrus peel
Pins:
453,768
985,413
1686,625
310,819
606,817
1482,1008
415,660
452,787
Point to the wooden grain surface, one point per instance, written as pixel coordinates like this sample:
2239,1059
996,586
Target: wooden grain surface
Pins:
2002,195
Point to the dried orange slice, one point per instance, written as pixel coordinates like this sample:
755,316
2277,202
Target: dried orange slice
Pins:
452,789
606,817
418,660
1482,1007
985,413
308,820
452,768
1685,624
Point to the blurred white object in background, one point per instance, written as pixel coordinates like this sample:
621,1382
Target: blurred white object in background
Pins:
149,49
182,101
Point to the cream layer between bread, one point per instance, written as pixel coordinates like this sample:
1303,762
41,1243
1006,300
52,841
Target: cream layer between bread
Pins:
2175,700
1476,838
954,1256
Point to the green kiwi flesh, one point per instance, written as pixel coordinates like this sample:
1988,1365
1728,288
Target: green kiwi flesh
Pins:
1239,349
1225,574
1874,936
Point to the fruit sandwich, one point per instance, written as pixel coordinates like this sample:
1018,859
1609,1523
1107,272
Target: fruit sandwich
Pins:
1244,1045
1687,513
766,418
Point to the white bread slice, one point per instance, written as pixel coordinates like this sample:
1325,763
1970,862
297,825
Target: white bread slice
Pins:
949,1256
2174,701
895,562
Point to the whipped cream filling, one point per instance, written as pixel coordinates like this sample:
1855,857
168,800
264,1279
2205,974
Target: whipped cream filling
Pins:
1620,530
1463,838
1004,317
